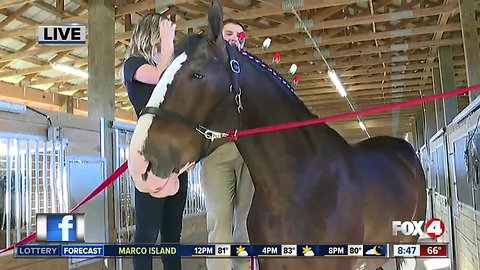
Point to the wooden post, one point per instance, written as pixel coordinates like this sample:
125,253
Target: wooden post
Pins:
419,120
414,133
437,89
431,121
101,90
470,44
67,105
447,76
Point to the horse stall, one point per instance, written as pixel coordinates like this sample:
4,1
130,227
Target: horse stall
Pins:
50,161
463,140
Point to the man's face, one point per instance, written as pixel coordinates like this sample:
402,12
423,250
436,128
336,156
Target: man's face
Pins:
230,34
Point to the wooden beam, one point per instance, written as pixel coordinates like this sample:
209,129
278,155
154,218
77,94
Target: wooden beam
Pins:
50,9
324,95
317,25
101,97
15,15
60,6
31,53
10,3
450,104
276,47
372,50
368,72
50,101
31,30
26,71
361,62
470,44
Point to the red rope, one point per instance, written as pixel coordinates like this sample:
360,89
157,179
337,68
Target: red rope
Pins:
94,193
232,136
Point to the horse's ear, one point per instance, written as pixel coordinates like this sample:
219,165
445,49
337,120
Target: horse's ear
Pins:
215,22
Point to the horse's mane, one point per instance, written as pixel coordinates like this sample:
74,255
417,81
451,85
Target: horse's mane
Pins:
284,84
190,42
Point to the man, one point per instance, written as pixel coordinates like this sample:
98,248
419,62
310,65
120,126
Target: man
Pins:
228,186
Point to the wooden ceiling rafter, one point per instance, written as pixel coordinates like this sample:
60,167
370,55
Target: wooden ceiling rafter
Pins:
372,48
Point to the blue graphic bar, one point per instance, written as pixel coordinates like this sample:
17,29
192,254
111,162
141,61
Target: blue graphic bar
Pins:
222,250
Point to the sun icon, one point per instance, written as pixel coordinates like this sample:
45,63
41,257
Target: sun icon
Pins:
241,251
307,251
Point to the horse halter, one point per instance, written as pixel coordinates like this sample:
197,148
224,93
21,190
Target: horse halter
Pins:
209,134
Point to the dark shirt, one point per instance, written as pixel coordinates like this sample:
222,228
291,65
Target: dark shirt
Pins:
138,92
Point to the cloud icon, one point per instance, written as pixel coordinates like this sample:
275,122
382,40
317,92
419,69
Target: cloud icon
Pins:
243,253
309,253
374,251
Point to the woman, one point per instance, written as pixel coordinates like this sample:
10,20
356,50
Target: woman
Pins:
149,54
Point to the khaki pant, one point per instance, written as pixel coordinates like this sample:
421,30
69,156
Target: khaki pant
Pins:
229,191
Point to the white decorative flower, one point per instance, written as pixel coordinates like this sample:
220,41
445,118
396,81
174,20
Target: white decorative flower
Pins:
293,69
266,43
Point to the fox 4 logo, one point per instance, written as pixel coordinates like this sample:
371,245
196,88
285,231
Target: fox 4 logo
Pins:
434,228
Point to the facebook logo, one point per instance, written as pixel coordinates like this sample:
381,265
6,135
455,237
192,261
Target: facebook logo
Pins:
60,228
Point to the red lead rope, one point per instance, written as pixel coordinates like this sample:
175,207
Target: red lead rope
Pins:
232,136
119,171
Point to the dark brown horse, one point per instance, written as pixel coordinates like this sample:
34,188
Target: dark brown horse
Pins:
311,185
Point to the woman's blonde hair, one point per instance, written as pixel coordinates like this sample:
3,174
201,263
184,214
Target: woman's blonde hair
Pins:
145,37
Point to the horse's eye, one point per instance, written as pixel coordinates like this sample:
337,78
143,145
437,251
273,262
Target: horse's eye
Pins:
197,75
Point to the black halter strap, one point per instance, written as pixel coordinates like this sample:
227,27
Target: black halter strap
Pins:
209,135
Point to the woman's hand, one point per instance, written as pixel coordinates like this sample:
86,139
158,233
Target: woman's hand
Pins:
167,34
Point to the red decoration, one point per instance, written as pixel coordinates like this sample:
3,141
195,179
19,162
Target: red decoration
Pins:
242,35
296,79
276,58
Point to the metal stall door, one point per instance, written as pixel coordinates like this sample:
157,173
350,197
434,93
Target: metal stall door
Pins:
424,159
32,180
124,189
84,175
458,170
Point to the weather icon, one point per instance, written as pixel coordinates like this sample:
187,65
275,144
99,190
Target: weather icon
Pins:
307,251
241,251
376,250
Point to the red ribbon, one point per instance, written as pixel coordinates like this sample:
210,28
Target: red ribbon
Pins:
233,136
94,193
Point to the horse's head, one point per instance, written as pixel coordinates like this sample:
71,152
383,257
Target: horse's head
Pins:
194,92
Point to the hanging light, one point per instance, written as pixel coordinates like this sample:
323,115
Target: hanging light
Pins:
362,125
293,69
336,81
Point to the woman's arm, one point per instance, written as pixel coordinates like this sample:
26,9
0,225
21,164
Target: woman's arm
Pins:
151,74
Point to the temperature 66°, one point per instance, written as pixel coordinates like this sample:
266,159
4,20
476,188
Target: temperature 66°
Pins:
433,250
